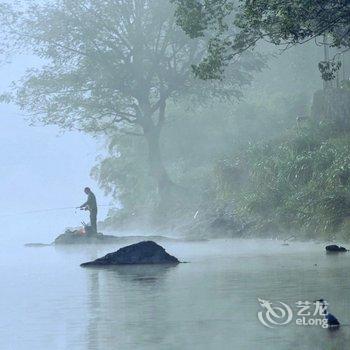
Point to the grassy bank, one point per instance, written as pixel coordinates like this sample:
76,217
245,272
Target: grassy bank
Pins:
299,182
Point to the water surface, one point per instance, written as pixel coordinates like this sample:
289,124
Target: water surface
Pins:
49,302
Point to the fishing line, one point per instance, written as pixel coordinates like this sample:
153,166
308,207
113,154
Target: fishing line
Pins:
47,210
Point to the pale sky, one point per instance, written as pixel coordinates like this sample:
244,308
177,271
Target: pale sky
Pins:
41,169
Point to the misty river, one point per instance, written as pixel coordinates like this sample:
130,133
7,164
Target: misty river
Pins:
49,302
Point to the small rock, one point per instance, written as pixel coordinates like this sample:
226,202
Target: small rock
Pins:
146,252
333,248
37,245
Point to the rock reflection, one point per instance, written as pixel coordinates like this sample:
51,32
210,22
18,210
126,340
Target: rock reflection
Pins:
119,293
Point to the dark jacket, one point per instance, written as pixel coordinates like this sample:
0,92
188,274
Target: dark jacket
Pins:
91,202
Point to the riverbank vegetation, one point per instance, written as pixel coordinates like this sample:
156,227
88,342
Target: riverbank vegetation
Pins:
299,182
292,181
200,149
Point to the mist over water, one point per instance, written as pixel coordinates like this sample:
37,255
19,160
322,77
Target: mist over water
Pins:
107,94
48,301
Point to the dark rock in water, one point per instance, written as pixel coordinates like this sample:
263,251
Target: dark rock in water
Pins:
147,252
333,248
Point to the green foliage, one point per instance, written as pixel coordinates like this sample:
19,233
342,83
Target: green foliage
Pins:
298,182
329,69
236,26
108,64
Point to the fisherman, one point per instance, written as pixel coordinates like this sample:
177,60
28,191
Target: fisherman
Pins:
91,206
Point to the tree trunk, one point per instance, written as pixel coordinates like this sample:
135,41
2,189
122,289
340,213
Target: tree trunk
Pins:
157,168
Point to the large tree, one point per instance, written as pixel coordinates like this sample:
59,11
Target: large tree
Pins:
111,66
237,25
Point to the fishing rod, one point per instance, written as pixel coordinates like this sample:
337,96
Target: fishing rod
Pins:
48,210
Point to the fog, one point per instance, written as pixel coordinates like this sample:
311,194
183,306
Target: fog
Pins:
204,128
42,169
